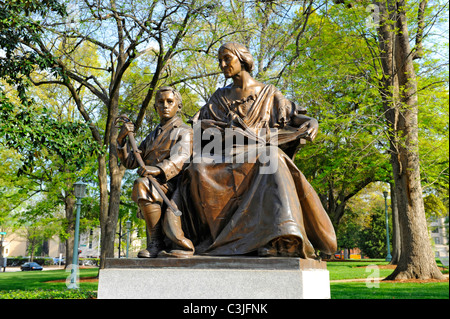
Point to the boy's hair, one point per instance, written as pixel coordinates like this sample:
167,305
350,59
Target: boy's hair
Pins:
175,93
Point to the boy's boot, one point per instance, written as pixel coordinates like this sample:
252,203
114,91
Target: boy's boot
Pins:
155,243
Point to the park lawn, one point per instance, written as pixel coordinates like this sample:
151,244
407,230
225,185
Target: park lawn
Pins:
389,290
28,281
341,270
374,288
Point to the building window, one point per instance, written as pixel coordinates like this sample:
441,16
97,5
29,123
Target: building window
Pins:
91,235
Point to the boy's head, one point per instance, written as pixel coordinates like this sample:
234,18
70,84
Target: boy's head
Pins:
167,102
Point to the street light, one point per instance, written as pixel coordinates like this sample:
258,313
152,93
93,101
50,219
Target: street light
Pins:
388,256
80,192
128,224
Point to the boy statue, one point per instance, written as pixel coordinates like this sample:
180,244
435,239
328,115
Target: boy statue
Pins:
164,152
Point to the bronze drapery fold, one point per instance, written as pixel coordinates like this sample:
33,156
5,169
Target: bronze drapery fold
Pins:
231,207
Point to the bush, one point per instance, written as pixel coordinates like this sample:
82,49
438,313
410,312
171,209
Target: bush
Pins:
48,261
89,261
372,239
48,294
18,261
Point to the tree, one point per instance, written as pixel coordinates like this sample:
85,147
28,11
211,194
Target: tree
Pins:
37,227
399,90
372,239
13,188
50,161
365,220
335,81
348,233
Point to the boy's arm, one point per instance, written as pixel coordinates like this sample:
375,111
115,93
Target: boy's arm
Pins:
180,152
126,157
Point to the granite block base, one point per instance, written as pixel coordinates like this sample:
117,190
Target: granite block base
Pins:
214,278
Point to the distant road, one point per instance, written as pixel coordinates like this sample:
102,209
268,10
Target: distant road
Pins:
13,269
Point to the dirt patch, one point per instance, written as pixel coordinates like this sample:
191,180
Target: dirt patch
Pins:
84,279
417,281
410,280
386,266
394,266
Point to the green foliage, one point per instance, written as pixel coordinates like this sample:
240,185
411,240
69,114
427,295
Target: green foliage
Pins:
16,26
48,294
336,82
372,239
34,133
434,206
32,6
12,187
16,261
348,231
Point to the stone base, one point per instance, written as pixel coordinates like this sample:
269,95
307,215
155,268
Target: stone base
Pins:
202,277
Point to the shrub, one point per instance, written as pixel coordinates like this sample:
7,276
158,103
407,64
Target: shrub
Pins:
18,261
48,294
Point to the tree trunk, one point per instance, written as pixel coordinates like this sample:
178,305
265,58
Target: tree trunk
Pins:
103,214
111,213
32,248
396,238
416,258
110,206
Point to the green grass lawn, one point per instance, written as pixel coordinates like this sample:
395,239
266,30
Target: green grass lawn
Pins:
373,288
37,285
340,270
359,290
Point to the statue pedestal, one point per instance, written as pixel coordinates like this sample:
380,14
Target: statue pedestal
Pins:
201,277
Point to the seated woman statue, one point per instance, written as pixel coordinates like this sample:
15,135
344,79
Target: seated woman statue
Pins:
239,202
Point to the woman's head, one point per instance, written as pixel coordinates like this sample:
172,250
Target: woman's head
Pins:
241,52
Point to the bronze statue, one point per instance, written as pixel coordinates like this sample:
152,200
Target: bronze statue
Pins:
160,158
234,207
241,193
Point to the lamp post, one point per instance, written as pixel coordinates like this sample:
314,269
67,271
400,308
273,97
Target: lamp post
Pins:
388,256
80,192
128,223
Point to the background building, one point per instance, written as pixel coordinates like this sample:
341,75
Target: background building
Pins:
439,235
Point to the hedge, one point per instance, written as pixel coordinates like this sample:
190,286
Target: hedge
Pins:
48,261
48,294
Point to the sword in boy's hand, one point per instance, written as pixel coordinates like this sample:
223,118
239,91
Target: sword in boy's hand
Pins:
137,153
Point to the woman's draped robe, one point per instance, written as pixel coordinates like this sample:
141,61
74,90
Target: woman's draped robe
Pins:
233,206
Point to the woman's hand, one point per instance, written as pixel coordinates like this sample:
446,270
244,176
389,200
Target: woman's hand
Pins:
311,127
149,170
